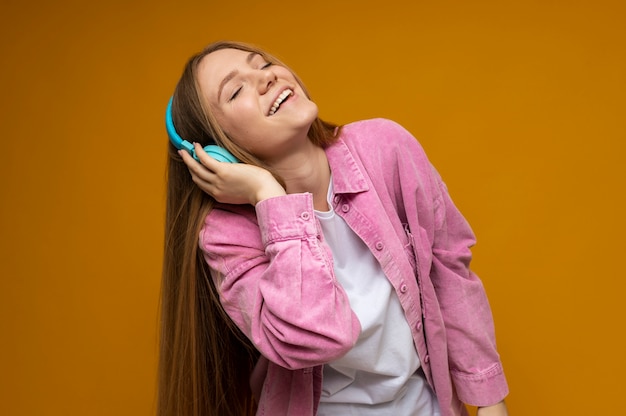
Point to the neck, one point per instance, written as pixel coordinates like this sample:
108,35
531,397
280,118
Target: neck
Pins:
307,171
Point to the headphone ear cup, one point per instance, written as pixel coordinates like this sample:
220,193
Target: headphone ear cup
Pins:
220,154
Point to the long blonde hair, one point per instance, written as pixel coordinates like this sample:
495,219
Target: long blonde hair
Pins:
205,361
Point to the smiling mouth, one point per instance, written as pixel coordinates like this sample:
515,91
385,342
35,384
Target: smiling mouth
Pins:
281,98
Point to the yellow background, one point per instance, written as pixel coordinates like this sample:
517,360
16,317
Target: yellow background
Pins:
520,105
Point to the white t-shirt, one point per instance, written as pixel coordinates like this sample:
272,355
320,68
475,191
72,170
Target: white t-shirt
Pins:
379,375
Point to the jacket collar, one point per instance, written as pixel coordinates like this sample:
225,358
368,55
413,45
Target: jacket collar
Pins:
346,172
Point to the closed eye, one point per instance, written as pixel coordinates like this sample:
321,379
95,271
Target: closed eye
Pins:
265,66
235,94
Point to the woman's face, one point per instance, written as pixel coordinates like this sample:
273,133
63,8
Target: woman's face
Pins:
259,105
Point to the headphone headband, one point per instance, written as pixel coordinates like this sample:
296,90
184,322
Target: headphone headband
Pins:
176,140
218,153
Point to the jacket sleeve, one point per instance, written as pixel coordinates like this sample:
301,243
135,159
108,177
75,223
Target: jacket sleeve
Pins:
474,362
444,241
276,281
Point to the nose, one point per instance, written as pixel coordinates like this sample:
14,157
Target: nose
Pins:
267,78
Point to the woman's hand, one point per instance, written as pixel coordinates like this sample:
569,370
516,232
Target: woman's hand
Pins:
498,409
232,183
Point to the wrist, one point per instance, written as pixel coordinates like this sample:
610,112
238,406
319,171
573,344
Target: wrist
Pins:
265,187
267,192
498,409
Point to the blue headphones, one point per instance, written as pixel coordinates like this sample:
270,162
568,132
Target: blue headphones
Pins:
218,153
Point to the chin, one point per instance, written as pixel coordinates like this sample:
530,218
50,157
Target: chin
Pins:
310,113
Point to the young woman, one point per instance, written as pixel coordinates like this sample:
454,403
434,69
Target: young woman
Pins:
326,274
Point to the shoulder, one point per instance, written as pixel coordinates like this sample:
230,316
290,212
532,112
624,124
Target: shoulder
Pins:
389,139
375,127
380,132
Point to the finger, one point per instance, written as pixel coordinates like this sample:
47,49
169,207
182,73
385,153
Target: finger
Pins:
211,163
202,183
204,179
194,164
187,159
195,167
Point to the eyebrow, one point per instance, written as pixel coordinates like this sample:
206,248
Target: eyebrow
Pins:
232,74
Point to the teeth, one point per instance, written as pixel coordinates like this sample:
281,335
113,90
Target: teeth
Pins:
279,100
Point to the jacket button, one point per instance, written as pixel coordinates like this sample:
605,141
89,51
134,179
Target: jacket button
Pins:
426,359
379,246
305,216
345,207
403,288
336,198
419,325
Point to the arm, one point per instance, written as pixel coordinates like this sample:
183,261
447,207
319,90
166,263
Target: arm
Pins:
474,361
450,288
277,283
275,278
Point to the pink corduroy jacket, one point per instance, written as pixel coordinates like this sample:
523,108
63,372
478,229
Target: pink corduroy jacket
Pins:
276,280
